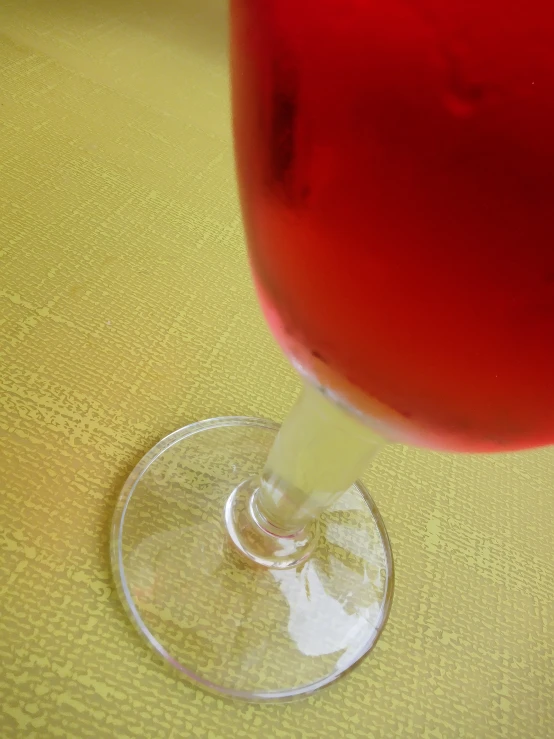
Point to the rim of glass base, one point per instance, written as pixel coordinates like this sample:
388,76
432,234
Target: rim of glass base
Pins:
118,571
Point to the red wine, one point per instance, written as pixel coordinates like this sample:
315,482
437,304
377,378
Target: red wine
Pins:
396,168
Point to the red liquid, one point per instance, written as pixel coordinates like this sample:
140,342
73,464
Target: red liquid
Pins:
396,166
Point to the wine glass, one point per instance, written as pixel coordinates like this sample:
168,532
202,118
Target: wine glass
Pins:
397,189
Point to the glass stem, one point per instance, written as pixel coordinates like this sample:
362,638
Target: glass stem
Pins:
319,452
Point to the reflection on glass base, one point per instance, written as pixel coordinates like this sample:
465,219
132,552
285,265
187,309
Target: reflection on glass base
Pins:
227,623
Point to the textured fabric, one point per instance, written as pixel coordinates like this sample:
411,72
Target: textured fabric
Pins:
127,311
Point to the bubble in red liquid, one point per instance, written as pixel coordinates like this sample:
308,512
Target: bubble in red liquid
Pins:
463,104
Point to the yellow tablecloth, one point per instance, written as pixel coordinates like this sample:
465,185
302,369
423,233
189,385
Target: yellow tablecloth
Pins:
126,311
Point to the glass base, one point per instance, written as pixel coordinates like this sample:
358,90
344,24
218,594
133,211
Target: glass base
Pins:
232,623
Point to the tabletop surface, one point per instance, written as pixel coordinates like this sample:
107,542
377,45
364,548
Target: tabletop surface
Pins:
127,311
